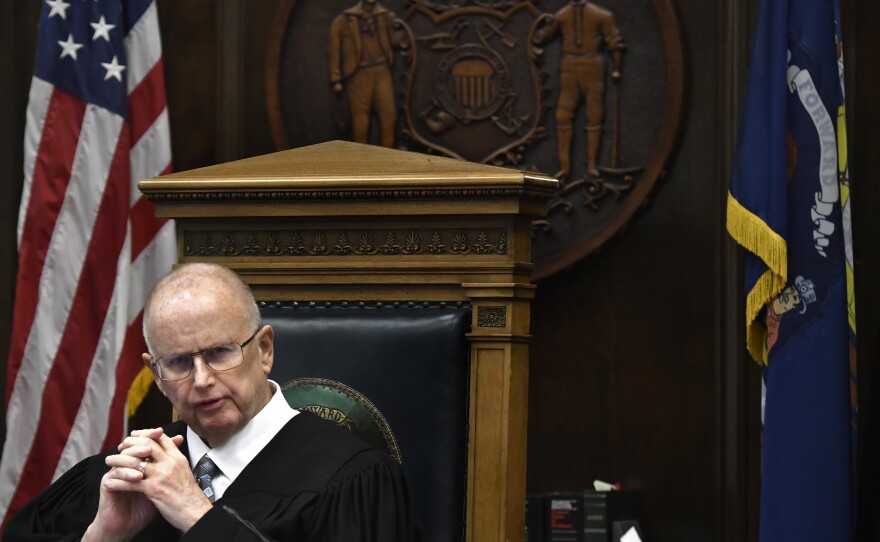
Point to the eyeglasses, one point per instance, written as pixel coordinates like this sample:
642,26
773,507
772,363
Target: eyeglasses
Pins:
222,357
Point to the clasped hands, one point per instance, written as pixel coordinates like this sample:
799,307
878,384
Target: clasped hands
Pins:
133,492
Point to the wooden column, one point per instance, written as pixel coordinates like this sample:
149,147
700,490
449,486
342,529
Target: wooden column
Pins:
498,409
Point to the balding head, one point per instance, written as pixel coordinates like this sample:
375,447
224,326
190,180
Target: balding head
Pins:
195,280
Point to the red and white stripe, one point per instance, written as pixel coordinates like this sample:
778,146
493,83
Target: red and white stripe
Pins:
89,250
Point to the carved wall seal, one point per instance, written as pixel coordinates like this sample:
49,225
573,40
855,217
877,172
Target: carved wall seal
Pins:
589,91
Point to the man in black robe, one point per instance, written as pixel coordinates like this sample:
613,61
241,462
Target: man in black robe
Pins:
241,464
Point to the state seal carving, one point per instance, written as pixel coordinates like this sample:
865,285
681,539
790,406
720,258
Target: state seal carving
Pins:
590,92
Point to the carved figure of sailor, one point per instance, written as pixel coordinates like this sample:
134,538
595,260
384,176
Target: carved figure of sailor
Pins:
360,54
588,32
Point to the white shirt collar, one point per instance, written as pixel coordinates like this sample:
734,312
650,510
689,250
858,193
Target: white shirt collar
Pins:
234,455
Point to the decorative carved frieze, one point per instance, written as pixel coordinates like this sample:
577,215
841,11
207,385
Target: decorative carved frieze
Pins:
483,242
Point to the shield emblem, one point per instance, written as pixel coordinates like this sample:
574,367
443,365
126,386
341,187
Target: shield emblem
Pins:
472,88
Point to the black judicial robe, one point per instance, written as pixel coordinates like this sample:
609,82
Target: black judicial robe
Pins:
314,481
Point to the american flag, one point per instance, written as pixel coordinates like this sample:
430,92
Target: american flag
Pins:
89,246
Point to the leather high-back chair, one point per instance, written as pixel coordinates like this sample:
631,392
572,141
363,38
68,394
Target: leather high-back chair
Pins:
395,374
398,286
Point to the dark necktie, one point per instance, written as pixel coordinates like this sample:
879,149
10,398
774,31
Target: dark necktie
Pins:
204,472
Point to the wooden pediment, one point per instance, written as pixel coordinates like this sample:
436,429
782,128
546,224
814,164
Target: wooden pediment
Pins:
344,170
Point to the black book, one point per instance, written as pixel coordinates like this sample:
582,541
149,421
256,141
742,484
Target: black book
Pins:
596,517
564,517
535,522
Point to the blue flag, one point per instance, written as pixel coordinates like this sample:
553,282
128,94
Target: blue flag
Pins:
789,206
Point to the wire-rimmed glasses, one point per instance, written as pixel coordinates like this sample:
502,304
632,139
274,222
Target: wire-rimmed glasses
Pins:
221,357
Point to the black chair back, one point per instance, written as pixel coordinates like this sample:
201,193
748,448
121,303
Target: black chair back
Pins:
410,360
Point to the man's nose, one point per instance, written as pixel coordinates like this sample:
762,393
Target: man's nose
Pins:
202,374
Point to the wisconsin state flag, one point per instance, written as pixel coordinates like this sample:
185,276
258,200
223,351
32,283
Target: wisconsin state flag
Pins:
789,206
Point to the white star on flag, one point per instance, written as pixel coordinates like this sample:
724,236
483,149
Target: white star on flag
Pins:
102,29
58,7
114,69
69,47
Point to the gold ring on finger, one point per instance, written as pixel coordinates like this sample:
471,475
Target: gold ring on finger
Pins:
142,466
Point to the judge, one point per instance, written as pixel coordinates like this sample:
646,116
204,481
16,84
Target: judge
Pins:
240,464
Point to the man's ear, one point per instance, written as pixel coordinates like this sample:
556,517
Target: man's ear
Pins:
148,361
267,348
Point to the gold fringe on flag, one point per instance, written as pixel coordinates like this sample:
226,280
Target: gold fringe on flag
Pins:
138,390
757,237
